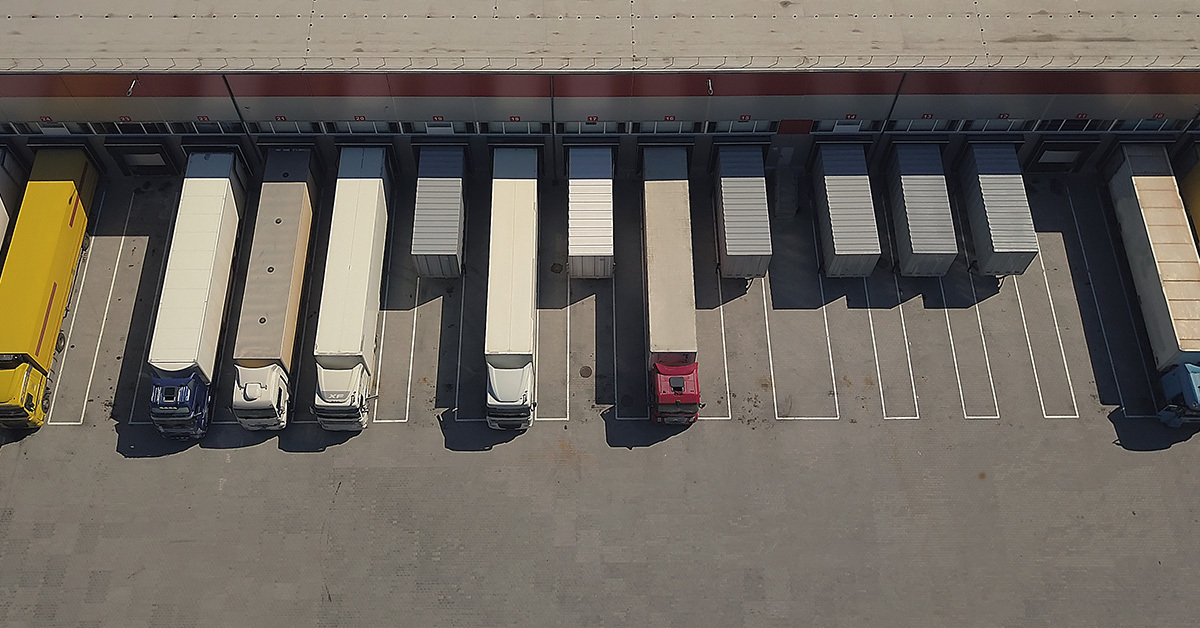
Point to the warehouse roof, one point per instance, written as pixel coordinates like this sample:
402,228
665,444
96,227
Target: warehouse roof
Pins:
575,35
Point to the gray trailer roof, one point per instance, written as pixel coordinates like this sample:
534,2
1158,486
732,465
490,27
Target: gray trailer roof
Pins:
438,214
278,255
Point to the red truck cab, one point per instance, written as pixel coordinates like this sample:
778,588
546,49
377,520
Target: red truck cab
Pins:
676,393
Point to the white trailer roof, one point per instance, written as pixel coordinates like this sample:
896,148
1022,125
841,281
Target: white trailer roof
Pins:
512,255
590,201
350,290
848,191
191,306
743,188
278,256
438,215
671,295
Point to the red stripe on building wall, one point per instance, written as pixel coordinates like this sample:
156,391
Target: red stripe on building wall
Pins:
33,86
470,85
181,86
46,318
1026,83
629,85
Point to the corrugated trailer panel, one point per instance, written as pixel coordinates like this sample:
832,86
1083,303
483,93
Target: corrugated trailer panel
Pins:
925,241
667,231
998,210
439,217
743,219
845,211
512,255
590,216
349,312
1161,251
191,308
266,332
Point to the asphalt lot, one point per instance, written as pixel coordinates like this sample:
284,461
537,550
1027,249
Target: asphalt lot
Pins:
888,451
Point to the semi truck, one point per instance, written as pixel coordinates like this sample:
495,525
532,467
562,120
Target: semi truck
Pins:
512,290
1166,272
43,255
195,289
349,314
670,292
264,351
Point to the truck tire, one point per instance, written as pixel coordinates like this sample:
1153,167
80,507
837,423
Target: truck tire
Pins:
87,241
61,343
46,402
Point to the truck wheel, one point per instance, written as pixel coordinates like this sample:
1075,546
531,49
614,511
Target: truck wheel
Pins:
46,402
87,241
61,343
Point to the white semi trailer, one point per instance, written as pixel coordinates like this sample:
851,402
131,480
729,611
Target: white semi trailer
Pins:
191,307
264,352
512,289
349,314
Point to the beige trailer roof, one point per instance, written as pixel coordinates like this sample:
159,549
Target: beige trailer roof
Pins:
566,35
671,294
512,256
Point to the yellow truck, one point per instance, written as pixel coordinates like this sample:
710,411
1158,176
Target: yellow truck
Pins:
35,283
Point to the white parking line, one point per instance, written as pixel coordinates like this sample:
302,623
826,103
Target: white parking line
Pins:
912,380
412,349
1128,303
62,358
908,355
104,321
982,339
724,354
133,405
462,298
1096,303
1029,343
828,346
567,364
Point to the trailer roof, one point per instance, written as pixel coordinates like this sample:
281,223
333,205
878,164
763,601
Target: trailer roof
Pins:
270,304
671,297
512,263
565,35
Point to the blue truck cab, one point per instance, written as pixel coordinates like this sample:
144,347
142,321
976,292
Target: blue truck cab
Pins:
1181,387
179,407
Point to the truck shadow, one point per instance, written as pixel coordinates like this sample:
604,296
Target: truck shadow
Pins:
8,436
1147,434
636,433
471,435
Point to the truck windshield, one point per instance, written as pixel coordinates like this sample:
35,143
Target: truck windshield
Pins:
683,409
521,412
10,360
170,412
256,414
